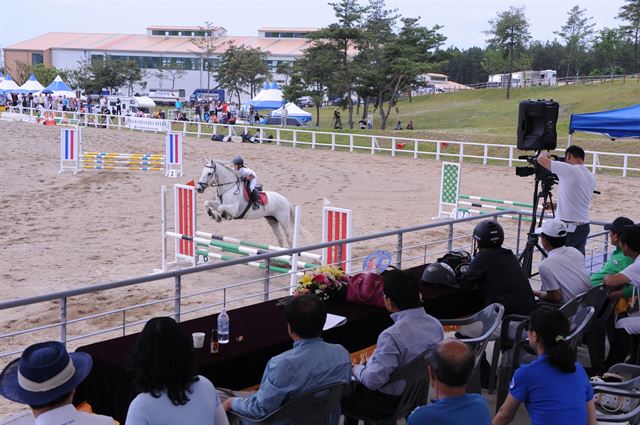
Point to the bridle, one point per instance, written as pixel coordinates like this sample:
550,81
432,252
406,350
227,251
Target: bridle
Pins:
213,165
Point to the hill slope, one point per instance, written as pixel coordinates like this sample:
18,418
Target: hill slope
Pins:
486,116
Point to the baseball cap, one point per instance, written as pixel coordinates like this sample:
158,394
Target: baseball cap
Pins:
618,224
553,228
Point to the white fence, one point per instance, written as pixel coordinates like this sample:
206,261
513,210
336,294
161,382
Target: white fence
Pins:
395,146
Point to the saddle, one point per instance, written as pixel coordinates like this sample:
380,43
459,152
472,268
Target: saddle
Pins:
262,200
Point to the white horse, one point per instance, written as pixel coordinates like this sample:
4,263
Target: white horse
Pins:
230,202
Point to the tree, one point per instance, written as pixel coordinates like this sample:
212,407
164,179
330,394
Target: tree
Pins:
285,69
391,61
46,75
630,13
206,45
311,75
577,33
171,69
546,56
112,74
21,72
510,34
242,67
343,35
607,50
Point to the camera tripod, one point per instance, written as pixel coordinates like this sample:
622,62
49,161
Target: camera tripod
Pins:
526,257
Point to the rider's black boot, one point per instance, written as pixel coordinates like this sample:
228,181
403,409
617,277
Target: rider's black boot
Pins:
255,196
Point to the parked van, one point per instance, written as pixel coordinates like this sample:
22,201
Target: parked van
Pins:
198,95
132,105
167,96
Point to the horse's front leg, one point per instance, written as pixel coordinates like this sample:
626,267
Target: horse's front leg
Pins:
212,207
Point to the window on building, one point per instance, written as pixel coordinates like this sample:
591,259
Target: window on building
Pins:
37,58
157,32
173,33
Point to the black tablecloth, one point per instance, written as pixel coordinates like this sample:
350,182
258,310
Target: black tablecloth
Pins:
238,365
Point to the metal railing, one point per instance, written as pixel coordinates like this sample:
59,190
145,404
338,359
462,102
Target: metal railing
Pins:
404,253
392,145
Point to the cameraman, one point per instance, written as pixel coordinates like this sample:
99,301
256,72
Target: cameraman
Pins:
575,189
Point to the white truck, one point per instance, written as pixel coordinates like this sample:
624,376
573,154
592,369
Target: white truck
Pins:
167,96
132,105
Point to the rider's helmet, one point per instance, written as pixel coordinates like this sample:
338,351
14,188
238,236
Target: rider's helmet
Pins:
238,161
488,234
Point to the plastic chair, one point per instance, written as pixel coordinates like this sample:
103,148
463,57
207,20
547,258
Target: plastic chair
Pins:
416,391
313,407
629,389
523,353
490,317
514,326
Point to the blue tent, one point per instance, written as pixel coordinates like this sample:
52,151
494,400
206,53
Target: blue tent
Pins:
623,122
270,97
59,88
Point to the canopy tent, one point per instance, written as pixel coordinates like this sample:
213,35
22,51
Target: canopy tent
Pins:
270,97
624,122
293,111
32,85
8,85
59,88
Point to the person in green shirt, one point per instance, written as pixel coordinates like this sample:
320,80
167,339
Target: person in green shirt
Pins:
618,261
618,338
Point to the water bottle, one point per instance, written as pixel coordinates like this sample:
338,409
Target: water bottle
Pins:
223,327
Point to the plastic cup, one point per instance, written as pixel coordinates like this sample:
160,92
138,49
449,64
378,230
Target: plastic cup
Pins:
198,339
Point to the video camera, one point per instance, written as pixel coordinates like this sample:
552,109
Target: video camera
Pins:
540,172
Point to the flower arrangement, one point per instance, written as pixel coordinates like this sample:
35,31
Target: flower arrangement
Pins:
326,282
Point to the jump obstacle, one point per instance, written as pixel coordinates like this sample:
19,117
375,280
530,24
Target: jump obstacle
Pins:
72,157
191,244
454,205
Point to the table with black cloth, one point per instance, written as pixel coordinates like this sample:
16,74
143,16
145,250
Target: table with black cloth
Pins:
109,388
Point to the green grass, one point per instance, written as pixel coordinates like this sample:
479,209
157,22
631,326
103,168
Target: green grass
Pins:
485,116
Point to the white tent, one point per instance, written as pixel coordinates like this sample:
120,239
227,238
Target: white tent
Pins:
293,111
8,85
59,88
32,85
270,97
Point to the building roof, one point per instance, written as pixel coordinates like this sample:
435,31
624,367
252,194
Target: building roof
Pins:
182,27
280,29
142,43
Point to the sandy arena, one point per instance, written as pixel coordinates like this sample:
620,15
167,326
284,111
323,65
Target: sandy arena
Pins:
64,231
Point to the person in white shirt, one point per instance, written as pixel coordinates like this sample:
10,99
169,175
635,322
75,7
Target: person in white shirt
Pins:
563,273
251,178
45,377
163,363
575,189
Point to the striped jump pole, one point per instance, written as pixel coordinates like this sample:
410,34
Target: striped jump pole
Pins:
336,225
480,212
213,236
239,249
497,201
185,221
207,254
72,158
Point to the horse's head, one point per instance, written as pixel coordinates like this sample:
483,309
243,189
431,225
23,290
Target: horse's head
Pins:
207,177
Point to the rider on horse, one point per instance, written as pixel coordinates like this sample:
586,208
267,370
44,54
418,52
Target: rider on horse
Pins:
251,179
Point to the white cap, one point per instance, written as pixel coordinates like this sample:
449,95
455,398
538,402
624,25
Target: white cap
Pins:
553,228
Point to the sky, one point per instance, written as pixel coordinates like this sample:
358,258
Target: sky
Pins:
463,20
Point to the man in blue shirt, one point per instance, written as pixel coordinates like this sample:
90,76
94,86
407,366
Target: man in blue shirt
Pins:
413,334
311,363
450,368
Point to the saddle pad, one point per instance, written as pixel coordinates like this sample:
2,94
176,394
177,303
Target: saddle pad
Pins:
262,199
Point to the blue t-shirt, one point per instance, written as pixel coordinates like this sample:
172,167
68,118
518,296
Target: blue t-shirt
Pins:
552,396
463,410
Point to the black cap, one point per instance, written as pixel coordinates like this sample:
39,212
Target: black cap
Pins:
618,224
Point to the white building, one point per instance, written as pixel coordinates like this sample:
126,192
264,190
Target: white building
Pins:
161,46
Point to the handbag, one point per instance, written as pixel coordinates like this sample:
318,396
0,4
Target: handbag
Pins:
609,402
366,288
